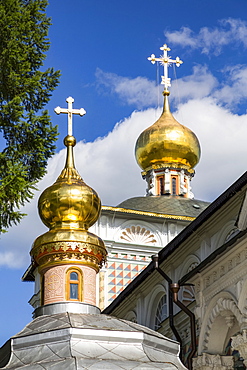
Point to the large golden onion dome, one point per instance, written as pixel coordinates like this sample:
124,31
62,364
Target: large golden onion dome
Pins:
167,143
69,202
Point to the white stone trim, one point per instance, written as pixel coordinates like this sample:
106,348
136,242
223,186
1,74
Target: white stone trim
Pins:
212,362
221,304
239,343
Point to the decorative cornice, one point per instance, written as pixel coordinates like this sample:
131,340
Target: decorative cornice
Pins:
221,275
170,166
68,258
65,252
144,213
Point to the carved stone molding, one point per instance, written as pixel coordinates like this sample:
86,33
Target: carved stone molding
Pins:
212,362
224,274
138,234
239,343
222,305
229,318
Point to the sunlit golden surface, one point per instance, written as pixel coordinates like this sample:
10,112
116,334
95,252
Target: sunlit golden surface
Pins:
66,246
71,205
167,142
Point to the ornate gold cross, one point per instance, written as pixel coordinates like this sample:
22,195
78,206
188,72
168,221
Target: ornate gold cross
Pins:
70,111
165,60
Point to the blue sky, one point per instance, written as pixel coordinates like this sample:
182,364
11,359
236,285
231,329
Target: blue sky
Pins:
101,49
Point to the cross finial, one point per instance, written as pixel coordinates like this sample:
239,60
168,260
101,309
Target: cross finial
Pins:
70,111
166,61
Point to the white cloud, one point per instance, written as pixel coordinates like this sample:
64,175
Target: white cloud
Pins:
109,166
222,137
234,89
211,40
138,91
198,85
231,90
143,93
185,37
108,163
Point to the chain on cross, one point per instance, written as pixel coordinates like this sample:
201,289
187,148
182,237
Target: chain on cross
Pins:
70,111
166,61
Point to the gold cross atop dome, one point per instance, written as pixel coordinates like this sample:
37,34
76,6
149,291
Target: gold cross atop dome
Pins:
70,111
166,61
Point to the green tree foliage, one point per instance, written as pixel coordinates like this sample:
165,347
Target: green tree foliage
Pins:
24,90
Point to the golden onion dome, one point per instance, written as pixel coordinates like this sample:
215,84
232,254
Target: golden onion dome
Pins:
167,143
69,203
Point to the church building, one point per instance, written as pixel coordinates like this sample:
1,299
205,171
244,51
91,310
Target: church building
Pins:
167,271
140,227
194,289
68,330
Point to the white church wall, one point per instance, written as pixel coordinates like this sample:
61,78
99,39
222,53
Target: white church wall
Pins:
130,241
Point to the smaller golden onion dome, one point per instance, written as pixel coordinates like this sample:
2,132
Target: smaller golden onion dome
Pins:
69,207
69,202
167,143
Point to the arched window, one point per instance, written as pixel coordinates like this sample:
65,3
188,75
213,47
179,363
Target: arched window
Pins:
174,185
161,312
160,185
188,291
74,289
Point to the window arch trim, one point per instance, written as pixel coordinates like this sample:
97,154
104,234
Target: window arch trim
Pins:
73,285
161,312
160,185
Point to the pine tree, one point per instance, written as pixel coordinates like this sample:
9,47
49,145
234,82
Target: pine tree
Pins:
24,91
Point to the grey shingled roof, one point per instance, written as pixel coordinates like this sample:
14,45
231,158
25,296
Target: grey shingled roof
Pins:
69,341
170,205
46,323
